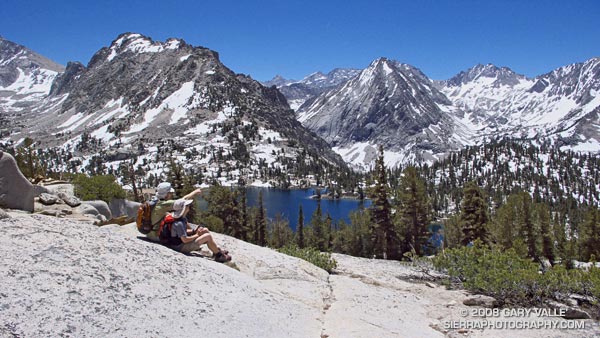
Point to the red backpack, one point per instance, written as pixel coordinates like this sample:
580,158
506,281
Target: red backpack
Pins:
164,231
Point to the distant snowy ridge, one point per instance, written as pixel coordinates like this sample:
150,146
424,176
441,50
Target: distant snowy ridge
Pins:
298,92
25,77
417,119
555,105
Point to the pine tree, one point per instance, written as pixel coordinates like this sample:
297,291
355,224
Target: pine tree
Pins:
413,211
589,237
300,227
505,229
559,232
329,233
243,214
452,231
385,239
360,238
133,180
280,234
222,204
474,214
542,218
28,161
175,175
261,222
529,231
318,233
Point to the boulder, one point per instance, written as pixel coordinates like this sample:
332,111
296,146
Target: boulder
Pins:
48,199
100,219
16,192
545,264
569,312
58,210
581,300
39,189
481,300
574,313
122,207
4,214
120,155
57,188
69,200
86,209
101,206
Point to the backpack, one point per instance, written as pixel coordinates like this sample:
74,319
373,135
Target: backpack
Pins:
144,217
164,231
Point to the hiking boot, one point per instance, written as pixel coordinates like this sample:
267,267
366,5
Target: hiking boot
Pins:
222,258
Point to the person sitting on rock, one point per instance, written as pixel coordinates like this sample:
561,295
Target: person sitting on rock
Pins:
164,199
186,239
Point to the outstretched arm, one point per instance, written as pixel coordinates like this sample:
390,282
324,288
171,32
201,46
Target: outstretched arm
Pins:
193,194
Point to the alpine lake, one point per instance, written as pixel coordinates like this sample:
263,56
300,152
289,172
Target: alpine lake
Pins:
286,203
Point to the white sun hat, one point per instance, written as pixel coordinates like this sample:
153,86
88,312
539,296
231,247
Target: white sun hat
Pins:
179,207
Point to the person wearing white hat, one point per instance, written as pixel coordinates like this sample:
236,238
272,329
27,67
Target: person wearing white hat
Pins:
164,199
186,239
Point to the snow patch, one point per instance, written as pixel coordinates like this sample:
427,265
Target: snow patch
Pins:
102,134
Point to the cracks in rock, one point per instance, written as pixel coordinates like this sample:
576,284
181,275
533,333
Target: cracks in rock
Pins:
328,300
379,326
370,281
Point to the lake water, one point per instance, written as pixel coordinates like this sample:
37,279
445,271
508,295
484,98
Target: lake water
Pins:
287,202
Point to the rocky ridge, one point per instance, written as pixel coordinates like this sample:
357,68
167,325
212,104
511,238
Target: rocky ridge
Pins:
25,79
483,104
561,105
142,98
298,92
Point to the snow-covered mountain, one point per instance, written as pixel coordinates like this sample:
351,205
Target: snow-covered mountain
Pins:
561,105
146,99
139,98
415,118
25,78
390,104
480,89
297,92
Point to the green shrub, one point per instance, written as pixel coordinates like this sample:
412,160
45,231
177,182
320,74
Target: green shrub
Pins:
101,187
212,222
514,280
311,255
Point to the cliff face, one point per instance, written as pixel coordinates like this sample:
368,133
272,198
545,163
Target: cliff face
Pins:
70,278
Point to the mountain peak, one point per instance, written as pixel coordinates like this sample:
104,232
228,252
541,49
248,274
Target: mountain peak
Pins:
138,43
278,81
390,104
502,75
379,61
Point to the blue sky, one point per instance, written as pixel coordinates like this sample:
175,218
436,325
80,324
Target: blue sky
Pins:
295,38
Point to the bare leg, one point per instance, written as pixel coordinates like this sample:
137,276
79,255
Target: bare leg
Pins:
207,238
